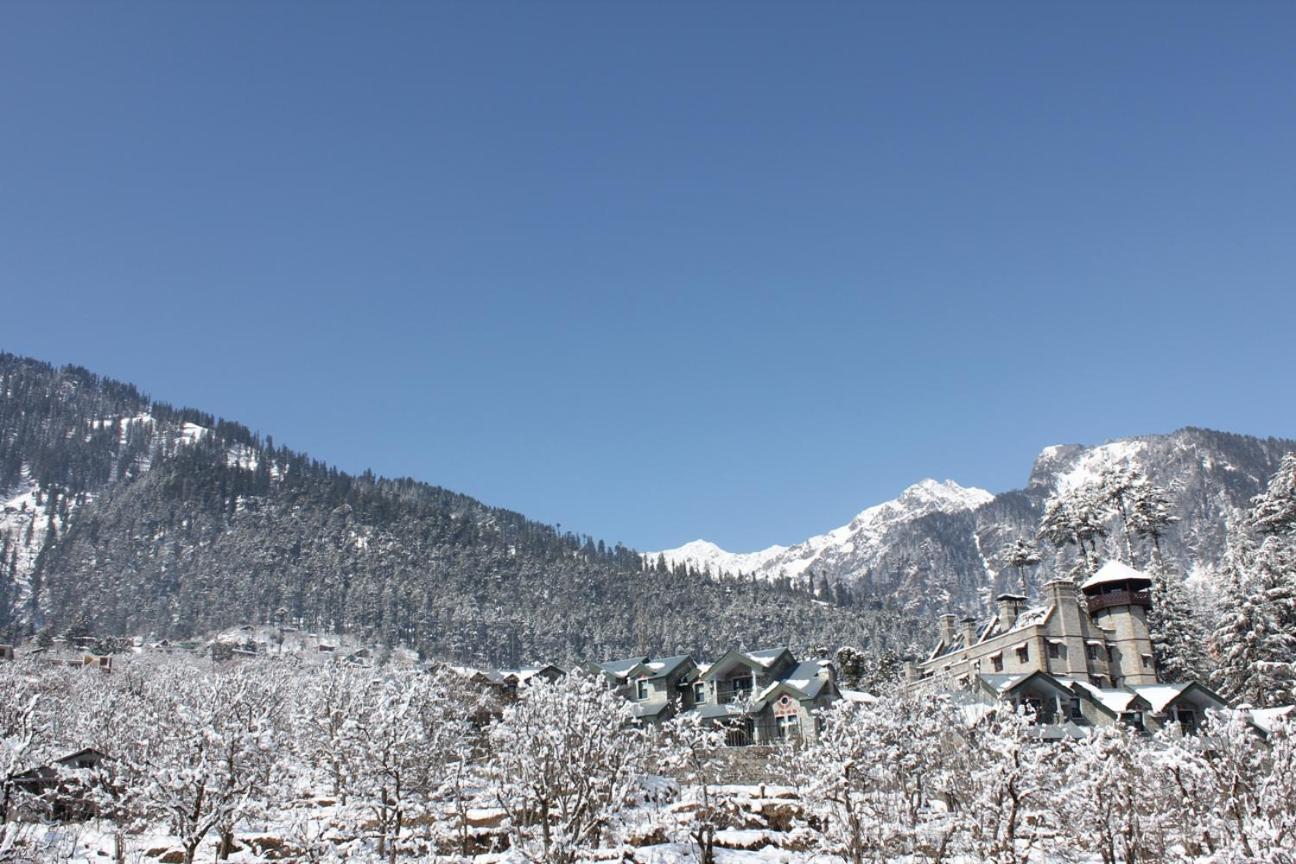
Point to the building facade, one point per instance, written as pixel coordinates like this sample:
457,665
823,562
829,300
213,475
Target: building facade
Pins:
1080,657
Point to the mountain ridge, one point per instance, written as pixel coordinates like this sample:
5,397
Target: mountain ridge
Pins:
941,558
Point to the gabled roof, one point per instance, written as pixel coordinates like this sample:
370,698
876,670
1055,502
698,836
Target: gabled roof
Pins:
1163,696
730,657
1002,684
809,678
1113,572
622,668
767,657
661,667
648,709
1111,700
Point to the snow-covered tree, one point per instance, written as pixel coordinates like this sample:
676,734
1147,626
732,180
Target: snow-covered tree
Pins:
1021,555
1255,644
1177,630
1150,515
565,762
690,748
1111,803
403,733
1075,517
1275,508
209,752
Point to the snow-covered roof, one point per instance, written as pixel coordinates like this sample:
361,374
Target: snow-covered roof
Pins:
858,696
1115,701
1160,695
660,667
620,668
1115,571
766,656
1265,718
808,677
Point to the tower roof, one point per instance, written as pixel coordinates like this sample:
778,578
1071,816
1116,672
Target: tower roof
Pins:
1113,572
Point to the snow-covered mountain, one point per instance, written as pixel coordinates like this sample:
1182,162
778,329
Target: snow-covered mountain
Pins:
941,547
854,547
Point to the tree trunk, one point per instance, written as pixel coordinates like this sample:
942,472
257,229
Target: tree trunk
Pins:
226,845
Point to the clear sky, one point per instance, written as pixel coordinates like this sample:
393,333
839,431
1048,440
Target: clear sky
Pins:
664,270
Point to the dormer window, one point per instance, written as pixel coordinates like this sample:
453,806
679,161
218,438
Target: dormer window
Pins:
641,689
699,693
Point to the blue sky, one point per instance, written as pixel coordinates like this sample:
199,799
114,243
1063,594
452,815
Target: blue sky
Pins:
662,271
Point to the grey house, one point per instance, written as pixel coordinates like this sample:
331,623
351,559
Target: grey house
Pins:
759,697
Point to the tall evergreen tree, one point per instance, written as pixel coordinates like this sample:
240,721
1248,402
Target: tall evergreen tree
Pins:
1177,630
1275,508
1022,554
1150,515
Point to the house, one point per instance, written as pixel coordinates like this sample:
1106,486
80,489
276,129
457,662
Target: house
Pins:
1080,658
759,697
53,791
660,688
510,680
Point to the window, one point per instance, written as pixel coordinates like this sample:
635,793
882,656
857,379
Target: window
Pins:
1132,719
1074,713
641,689
996,662
1147,661
1186,718
1091,651
1023,653
699,693
1111,654
1096,680
1054,651
787,727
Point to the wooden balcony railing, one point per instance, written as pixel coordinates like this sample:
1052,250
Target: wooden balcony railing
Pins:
1119,598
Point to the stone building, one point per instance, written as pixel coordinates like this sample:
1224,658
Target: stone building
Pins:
1081,657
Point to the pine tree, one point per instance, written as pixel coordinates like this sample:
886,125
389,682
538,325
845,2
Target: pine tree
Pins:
1254,642
1023,554
1075,518
1176,629
1275,508
1150,515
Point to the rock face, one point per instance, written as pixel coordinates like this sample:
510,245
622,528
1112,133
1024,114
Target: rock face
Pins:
941,547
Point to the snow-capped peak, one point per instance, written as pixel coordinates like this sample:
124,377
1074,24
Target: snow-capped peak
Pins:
863,537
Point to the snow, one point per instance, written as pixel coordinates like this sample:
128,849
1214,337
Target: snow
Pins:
1159,695
19,514
1266,718
1115,571
864,535
1087,469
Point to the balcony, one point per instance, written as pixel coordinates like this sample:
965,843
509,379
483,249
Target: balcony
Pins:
735,691
1119,598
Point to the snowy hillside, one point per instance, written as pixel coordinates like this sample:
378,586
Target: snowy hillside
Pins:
856,545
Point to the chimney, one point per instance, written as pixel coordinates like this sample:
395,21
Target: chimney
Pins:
910,670
1060,591
947,629
1009,606
969,632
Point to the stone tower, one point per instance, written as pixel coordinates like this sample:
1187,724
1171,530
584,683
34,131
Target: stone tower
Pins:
1118,600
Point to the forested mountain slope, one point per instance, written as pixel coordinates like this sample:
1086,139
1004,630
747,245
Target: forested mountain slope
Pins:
147,519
